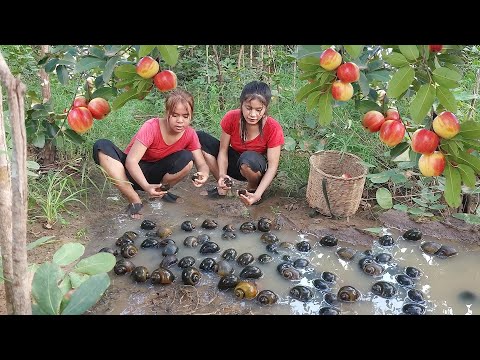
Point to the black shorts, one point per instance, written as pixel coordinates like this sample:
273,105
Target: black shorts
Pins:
256,162
153,171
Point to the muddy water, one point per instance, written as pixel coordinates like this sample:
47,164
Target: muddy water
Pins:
449,286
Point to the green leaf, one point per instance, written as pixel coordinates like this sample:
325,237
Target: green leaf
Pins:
68,253
365,106
470,160
123,98
380,75
446,77
467,174
45,291
309,63
111,50
72,135
51,64
145,50
418,211
325,111
290,143
400,81
354,50
468,218
97,52
125,71
104,92
109,66
379,178
62,74
169,53
452,186
95,264
384,198
376,65
308,51
311,74
399,149
40,241
364,84
32,165
420,202
77,279
422,103
307,89
37,310
396,59
39,140
437,207
87,294
88,63
447,99
398,178
401,207
470,130
312,100
409,51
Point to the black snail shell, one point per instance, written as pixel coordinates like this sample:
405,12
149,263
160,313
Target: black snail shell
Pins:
187,226
195,177
413,272
329,277
264,258
123,266
246,290
267,297
228,182
320,284
412,235
384,289
151,234
165,242
404,280
245,259
148,225
273,248
383,258
348,294
301,293
242,192
229,254
109,250
413,309
269,238
365,261
209,248
228,282
208,265
331,299
328,310
170,249
386,240
190,241
416,296
228,228
301,263
446,251
373,269
191,276
223,268
288,271
287,258
203,238
467,296
168,261
303,246
186,261
140,274
209,224
251,272
123,240
132,235
430,247
149,243
229,235
248,227
346,254
164,232
328,240
368,253
128,251
264,224
162,276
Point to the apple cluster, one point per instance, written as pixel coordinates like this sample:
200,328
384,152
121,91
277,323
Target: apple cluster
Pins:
148,68
390,127
81,114
346,73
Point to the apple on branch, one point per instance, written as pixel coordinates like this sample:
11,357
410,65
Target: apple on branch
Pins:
330,59
446,125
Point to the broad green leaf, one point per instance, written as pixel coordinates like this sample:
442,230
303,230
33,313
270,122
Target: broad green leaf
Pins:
73,136
104,92
465,96
169,53
311,122
123,98
145,50
65,285
88,63
309,63
325,111
454,59
125,71
87,294
39,140
51,64
399,149
143,85
470,160
398,178
40,241
312,100
95,264
470,130
420,202
452,186
364,84
447,99
32,165
473,144
396,59
365,106
467,174
409,51
308,51
37,310
400,81
109,66
354,50
437,207
62,74
290,143
401,207
380,75
422,103
419,211
45,291
111,50
307,89
468,218
68,253
379,178
311,74
446,77
375,65
384,198
77,279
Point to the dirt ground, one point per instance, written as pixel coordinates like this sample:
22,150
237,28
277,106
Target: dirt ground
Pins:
289,212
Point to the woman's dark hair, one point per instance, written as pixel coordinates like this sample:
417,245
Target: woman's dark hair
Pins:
254,90
178,96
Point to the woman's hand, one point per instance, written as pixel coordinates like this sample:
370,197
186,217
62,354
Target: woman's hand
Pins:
225,182
249,198
153,190
199,178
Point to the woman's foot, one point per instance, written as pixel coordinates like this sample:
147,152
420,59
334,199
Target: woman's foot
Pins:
134,210
215,193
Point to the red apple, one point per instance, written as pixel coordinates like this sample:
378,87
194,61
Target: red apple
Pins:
80,101
435,48
330,59
342,91
165,80
348,72
424,141
373,121
392,132
432,164
147,67
80,119
392,114
446,125
99,108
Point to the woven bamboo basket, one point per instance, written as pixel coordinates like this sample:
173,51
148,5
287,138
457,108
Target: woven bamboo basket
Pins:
342,194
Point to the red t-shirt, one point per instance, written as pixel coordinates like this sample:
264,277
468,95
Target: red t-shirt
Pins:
151,136
272,134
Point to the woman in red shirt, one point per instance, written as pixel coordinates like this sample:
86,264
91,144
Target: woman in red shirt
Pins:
249,146
162,152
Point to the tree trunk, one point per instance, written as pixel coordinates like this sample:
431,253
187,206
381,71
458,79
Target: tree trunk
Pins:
240,55
5,214
20,286
221,98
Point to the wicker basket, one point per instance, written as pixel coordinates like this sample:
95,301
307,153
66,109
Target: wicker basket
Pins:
343,194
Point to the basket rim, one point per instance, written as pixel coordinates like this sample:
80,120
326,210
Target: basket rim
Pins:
365,169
